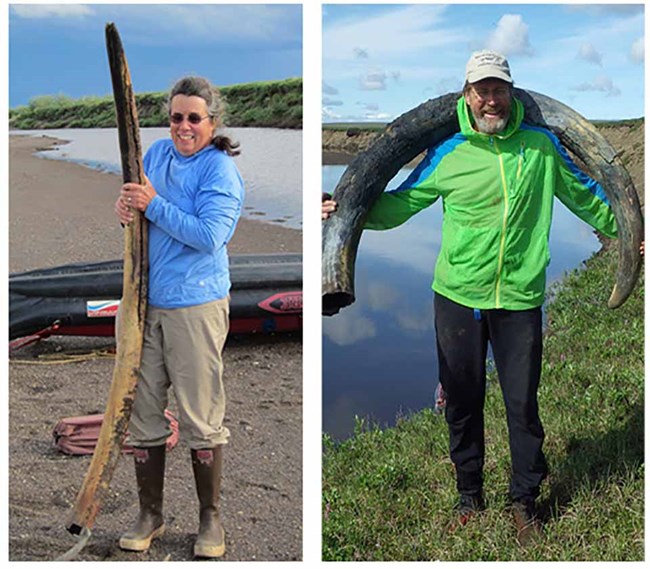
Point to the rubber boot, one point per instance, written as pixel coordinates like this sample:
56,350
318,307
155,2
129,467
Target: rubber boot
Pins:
206,464
150,475
528,525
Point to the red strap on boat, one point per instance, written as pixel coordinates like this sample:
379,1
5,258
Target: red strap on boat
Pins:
41,334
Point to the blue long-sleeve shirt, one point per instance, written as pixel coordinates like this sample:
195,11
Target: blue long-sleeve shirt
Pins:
192,218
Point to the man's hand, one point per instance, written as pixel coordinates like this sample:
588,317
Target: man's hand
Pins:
328,205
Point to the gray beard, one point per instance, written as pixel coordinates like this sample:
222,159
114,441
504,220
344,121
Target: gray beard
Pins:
490,127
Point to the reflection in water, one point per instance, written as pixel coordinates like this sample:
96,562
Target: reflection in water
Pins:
270,163
345,332
379,358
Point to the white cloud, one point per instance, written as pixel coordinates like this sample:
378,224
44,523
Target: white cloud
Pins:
610,29
373,81
614,9
588,52
37,11
328,114
211,21
344,333
378,117
155,24
637,52
510,36
332,102
416,28
368,106
329,90
602,84
381,296
369,113
415,322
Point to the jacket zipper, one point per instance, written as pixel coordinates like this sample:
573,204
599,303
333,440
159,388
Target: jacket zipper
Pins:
503,224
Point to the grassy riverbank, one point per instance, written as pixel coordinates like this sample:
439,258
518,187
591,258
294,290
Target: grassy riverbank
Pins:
263,104
388,494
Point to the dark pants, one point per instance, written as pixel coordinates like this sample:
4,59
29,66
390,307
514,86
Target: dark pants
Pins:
462,336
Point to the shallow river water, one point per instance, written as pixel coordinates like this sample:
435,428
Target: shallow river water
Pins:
270,163
379,357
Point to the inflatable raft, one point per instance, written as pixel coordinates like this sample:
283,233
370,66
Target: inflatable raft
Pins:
82,299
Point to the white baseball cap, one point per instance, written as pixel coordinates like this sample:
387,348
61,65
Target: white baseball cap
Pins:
486,64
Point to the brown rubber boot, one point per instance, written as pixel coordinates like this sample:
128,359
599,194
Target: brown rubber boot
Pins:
527,524
150,474
206,464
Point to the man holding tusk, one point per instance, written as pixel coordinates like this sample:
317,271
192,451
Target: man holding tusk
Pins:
498,178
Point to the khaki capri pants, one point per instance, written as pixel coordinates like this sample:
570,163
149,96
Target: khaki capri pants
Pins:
182,350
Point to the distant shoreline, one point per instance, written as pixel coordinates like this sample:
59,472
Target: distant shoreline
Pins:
341,142
330,158
273,104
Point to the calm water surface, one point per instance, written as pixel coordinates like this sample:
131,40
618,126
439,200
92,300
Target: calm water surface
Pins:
270,163
379,357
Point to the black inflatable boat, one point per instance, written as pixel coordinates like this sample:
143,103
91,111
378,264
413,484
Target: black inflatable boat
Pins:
82,299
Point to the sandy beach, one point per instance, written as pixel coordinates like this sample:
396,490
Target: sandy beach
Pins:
63,213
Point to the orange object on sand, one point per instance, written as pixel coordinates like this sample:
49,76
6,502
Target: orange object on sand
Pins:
78,435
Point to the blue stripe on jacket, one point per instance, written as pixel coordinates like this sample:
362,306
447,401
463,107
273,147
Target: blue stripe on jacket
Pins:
592,185
431,161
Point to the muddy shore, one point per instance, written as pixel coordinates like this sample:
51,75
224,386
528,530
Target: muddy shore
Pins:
63,213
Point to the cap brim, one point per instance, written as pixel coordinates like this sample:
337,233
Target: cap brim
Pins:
477,76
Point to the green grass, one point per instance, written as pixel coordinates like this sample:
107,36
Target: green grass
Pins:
360,126
262,104
388,494
270,104
632,123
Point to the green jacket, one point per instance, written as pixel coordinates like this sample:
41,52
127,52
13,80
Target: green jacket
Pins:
497,197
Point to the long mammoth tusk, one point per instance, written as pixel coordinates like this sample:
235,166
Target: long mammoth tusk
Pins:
132,307
428,124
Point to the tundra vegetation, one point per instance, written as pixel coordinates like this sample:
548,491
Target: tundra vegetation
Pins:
275,104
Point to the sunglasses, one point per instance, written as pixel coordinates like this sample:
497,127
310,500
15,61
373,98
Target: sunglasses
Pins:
192,118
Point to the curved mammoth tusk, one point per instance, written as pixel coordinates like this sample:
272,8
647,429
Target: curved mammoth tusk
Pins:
603,163
428,124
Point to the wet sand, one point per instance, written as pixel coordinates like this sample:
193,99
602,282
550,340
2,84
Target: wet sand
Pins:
63,213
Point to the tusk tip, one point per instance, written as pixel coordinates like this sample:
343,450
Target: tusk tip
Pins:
334,301
616,299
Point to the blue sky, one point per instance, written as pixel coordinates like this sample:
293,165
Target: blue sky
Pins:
59,49
381,60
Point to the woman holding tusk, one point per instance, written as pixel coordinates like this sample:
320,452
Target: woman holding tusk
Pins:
192,198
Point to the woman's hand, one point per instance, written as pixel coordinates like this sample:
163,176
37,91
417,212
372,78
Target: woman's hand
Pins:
123,211
136,196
